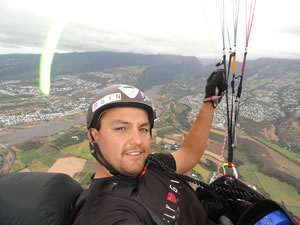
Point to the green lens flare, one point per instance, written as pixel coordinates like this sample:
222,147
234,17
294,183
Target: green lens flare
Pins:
48,53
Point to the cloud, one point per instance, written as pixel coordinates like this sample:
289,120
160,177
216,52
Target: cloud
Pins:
171,27
22,28
291,29
127,29
89,38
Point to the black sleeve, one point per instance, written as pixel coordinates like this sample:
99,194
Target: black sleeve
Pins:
167,159
119,210
111,218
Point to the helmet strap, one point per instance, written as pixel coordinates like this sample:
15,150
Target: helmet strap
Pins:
95,150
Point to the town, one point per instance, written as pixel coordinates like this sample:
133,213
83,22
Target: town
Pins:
23,103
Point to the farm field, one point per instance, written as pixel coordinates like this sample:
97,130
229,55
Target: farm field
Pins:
276,189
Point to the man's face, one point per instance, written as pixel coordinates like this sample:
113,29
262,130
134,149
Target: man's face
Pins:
124,139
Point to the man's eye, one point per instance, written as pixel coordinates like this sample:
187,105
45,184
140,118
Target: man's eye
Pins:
120,128
146,130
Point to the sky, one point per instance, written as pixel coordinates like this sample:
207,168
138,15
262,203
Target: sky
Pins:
181,27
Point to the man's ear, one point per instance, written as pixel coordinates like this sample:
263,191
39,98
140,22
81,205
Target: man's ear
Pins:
94,132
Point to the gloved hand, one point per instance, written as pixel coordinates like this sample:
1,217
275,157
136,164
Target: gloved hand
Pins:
215,87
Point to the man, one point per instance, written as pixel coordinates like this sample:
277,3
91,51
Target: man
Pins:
129,186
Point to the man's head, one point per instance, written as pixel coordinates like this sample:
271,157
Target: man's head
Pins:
120,119
124,139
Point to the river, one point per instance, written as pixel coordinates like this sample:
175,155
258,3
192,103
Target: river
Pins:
19,135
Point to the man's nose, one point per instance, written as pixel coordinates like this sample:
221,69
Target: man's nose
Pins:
136,138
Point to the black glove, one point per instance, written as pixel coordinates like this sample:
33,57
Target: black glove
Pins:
215,87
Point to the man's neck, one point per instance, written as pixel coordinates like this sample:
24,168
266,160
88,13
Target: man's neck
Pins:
101,172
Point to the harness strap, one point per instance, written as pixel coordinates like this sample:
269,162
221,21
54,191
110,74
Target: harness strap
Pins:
241,191
86,211
77,205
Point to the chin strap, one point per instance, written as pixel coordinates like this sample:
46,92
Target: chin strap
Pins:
95,150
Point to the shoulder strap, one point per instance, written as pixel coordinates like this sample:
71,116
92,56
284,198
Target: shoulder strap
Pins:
86,210
77,205
242,190
166,169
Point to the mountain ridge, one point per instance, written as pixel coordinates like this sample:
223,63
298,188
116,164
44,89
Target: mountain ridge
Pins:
66,63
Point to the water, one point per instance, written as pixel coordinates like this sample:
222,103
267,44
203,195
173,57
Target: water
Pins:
22,135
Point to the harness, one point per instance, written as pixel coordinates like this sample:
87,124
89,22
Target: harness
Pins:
238,202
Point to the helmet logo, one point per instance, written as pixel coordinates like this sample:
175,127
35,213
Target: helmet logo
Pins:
145,97
131,92
105,100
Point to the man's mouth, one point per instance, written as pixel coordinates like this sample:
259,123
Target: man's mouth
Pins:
134,153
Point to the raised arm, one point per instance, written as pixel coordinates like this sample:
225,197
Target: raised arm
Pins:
195,142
